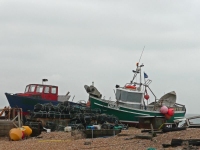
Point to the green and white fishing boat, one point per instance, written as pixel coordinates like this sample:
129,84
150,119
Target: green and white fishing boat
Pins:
131,101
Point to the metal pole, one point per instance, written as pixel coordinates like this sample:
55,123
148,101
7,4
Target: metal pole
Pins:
92,134
9,113
154,96
19,119
21,116
140,77
134,76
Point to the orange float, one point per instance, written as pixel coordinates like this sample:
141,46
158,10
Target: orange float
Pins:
167,116
15,134
27,131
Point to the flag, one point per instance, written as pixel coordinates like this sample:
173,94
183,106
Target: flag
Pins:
145,75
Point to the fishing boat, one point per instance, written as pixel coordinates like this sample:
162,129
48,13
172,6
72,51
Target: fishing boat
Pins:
131,101
36,94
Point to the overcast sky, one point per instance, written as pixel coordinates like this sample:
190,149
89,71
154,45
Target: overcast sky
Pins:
73,43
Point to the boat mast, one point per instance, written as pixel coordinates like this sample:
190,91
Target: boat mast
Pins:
138,70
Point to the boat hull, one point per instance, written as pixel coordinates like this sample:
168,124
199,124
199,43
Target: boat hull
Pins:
128,115
27,103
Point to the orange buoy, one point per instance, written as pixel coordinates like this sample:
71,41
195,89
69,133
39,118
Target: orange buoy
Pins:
27,130
15,134
130,87
167,116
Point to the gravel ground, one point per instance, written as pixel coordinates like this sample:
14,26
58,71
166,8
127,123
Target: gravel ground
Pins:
64,141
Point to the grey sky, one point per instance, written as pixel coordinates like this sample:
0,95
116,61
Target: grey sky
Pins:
73,43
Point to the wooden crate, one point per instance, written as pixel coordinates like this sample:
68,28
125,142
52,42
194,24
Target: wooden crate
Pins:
5,127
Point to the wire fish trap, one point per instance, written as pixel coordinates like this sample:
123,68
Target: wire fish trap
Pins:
48,107
40,114
38,107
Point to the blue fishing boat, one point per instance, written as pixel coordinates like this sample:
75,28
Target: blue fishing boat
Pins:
34,94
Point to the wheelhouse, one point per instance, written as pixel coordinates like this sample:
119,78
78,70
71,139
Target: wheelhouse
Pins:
126,95
48,92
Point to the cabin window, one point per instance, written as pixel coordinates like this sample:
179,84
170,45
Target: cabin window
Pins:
26,90
53,90
128,96
32,88
134,97
39,89
46,90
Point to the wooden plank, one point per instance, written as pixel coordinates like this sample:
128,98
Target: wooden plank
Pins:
120,134
144,136
156,132
152,132
149,130
129,138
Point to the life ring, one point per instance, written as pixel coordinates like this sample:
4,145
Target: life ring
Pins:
130,87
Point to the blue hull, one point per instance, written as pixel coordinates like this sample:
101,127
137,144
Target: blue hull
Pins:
28,103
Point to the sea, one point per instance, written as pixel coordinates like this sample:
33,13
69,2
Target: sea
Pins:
193,120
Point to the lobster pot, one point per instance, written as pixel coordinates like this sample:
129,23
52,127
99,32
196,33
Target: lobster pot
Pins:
57,115
38,107
51,125
40,114
5,127
61,128
51,114
36,128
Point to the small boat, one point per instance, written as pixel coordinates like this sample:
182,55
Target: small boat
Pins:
37,94
131,101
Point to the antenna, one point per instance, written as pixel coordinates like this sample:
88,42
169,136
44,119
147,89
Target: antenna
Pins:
137,68
141,55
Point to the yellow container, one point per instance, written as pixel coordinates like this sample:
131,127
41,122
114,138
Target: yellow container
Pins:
27,131
15,134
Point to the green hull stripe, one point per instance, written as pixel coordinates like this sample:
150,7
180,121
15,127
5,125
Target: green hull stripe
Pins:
126,114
